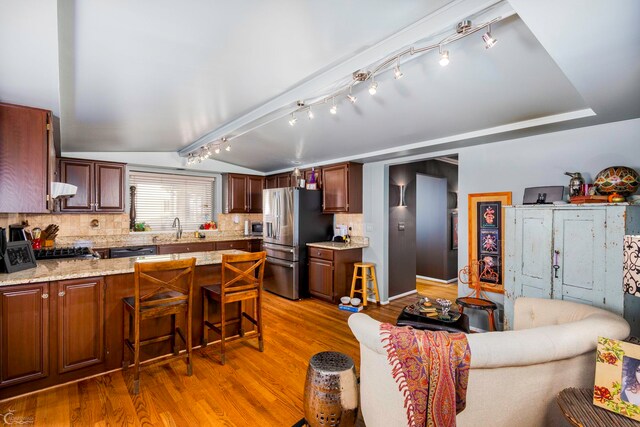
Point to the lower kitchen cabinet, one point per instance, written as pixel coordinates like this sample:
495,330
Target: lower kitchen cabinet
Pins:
241,245
331,272
181,248
80,320
24,341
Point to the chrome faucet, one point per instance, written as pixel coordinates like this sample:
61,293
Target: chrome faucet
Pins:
176,222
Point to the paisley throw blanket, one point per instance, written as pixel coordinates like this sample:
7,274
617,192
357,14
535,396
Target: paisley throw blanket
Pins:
432,371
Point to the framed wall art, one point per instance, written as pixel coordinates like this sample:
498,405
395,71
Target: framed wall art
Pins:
19,256
617,385
486,237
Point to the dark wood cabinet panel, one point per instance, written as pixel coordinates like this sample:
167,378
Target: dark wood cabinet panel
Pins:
271,182
24,344
254,193
100,185
237,193
241,245
181,248
342,188
80,174
284,180
109,187
26,144
255,245
81,325
321,278
331,272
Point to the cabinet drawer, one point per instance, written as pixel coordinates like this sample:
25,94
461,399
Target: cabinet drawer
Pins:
181,248
321,253
241,245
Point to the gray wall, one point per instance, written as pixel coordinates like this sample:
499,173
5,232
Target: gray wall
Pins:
403,252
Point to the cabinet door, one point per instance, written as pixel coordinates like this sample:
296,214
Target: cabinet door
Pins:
284,180
80,174
237,193
254,193
271,182
321,278
335,197
109,187
182,248
80,323
24,344
241,245
24,157
579,239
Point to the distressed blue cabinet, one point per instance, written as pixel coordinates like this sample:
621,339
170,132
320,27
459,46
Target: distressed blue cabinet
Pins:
569,252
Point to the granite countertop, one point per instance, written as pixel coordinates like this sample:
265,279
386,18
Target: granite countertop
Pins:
63,269
147,239
338,246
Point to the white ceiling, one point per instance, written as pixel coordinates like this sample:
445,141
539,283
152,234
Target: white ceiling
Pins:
154,76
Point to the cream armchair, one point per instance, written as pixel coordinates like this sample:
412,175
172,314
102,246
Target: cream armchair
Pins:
514,376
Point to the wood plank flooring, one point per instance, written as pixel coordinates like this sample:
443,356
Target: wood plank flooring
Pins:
252,389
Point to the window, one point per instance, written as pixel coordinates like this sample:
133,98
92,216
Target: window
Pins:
162,197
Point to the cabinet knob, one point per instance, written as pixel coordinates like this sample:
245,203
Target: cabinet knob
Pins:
45,296
61,293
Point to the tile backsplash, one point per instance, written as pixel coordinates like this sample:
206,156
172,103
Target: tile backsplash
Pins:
355,221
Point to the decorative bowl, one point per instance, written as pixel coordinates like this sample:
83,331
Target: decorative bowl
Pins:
617,179
355,302
345,300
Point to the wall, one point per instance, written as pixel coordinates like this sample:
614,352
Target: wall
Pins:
510,165
404,258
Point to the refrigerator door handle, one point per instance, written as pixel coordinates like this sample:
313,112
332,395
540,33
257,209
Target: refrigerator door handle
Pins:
280,263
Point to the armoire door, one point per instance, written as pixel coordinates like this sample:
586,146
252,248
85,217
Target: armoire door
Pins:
579,239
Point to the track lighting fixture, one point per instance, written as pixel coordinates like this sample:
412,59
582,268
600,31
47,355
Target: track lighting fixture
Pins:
373,87
397,74
444,57
217,150
350,97
310,114
489,41
227,148
293,120
334,108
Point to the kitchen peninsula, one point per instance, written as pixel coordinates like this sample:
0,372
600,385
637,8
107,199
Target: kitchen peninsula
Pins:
63,320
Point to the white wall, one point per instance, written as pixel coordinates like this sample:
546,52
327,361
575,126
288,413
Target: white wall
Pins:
510,165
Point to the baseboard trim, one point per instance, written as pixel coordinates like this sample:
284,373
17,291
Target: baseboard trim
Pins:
415,291
432,279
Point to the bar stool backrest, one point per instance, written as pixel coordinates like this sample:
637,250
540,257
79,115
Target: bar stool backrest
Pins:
163,277
242,278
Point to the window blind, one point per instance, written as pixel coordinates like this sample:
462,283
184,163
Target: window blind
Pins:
162,197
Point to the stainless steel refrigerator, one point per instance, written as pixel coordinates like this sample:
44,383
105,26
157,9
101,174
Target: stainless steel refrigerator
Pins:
292,217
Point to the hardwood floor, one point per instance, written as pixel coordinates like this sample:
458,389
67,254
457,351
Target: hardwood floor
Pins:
252,389
434,290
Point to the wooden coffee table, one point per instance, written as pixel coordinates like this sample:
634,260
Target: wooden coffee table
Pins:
577,407
412,316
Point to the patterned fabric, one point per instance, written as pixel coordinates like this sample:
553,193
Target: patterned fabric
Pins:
432,371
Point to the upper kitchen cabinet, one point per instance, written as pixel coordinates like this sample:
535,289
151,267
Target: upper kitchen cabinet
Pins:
280,180
100,185
317,173
242,193
27,159
342,188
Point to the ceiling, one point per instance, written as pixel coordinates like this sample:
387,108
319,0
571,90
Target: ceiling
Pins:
148,76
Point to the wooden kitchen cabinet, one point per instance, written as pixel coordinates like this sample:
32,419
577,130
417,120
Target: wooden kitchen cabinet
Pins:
241,245
24,341
271,182
331,272
280,180
181,248
317,172
342,188
80,319
100,185
242,193
27,159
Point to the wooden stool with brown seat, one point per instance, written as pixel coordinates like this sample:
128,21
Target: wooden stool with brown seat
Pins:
171,284
367,273
241,280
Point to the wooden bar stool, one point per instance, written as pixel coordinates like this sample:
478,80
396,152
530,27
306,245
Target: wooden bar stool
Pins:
172,293
241,280
367,273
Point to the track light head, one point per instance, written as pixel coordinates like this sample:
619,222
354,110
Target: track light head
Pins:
228,148
373,88
333,109
444,58
397,74
217,150
352,98
293,120
488,39
310,114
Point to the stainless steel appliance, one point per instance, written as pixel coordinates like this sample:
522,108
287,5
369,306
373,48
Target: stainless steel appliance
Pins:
292,217
61,253
132,251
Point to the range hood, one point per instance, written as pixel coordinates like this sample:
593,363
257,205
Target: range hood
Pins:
61,189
